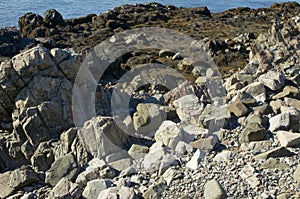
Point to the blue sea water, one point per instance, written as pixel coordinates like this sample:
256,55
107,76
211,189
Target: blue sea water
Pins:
11,10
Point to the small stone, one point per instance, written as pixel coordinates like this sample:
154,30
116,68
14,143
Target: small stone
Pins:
205,143
213,190
138,151
253,132
155,191
288,139
296,174
223,156
275,153
195,161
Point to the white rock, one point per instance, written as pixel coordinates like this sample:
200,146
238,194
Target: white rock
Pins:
169,134
195,161
183,148
188,108
223,156
94,187
288,139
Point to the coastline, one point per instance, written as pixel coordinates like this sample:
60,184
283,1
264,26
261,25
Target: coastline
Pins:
179,103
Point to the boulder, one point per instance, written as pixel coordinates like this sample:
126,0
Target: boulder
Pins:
28,23
238,108
274,80
223,156
148,118
96,169
213,190
215,117
169,134
64,166
153,161
288,119
6,189
53,18
101,137
188,109
250,175
65,189
94,187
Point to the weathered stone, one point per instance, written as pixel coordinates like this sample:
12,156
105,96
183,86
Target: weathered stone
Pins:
295,103
252,132
120,160
94,187
215,118
22,177
43,157
213,190
288,139
60,55
6,189
64,166
275,153
65,189
254,89
148,118
276,105
111,193
273,80
28,63
250,175
196,160
169,134
296,174
223,156
238,108
287,90
138,151
155,191
206,144
183,148
273,163
53,18
286,120
102,137
171,174
153,160
188,109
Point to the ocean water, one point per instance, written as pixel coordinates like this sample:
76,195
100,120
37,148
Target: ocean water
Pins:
11,10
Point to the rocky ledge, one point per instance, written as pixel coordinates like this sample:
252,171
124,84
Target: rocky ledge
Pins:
186,142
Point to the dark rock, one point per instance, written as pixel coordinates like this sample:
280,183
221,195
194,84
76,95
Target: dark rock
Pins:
28,23
64,166
53,18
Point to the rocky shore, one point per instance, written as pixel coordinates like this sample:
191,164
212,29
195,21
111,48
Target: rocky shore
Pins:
241,140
